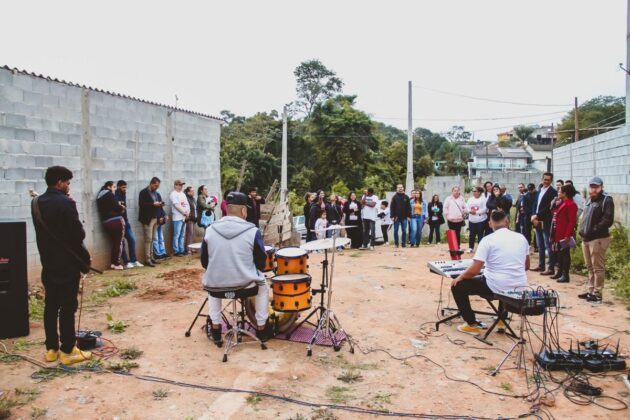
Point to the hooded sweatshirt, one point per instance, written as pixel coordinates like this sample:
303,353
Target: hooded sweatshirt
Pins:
108,207
233,254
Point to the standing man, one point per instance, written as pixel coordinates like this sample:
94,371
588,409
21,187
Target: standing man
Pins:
179,213
128,254
519,224
541,219
369,213
599,213
399,212
191,219
529,200
149,202
60,238
253,206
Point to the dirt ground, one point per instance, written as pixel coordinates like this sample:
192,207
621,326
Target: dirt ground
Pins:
385,299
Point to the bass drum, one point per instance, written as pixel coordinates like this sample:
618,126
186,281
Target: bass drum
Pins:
283,320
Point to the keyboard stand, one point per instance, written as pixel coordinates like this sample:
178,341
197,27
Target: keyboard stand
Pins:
458,313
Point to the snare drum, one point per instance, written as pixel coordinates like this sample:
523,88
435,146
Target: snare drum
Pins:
291,292
291,260
271,252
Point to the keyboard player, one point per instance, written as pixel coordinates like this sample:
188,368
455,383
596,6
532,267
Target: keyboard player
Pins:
504,257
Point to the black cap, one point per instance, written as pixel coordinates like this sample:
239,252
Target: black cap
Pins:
236,198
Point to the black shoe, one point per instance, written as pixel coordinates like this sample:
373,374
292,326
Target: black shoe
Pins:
563,278
149,263
594,298
214,334
154,261
537,269
162,257
584,295
266,333
556,276
547,273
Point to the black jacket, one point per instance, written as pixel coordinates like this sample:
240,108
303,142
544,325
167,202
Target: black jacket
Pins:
334,213
107,205
529,201
313,214
439,213
544,209
146,209
121,198
307,216
253,213
598,217
59,213
499,202
399,206
192,204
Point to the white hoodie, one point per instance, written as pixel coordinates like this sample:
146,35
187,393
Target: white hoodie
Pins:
479,204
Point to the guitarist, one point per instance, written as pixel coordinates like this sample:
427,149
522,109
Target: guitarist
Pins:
60,238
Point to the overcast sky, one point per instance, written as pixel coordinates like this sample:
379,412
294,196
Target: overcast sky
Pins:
240,55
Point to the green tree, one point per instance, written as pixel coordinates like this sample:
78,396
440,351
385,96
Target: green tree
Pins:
595,116
523,132
315,83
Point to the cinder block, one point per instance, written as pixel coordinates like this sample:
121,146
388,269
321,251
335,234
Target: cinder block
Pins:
31,98
52,149
12,93
7,133
25,135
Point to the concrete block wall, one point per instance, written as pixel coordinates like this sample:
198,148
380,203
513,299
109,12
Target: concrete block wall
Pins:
442,186
510,179
607,156
100,137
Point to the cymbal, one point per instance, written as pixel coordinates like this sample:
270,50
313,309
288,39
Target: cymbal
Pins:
322,244
335,227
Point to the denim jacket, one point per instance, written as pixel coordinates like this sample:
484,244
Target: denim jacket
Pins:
424,213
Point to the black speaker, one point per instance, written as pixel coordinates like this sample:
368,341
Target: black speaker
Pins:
13,281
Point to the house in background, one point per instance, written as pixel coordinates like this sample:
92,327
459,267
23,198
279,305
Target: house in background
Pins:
541,156
494,158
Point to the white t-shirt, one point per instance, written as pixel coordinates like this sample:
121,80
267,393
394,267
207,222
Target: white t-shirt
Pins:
479,205
387,220
370,213
503,252
178,200
320,226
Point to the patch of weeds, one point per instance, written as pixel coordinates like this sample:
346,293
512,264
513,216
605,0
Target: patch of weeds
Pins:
354,254
6,404
9,358
297,416
36,308
116,327
23,344
478,358
489,369
123,366
94,364
323,414
38,413
26,395
46,374
340,362
379,400
253,400
160,394
131,353
506,386
350,376
114,288
338,394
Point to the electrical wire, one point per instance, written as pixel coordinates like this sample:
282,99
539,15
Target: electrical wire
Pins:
471,119
478,98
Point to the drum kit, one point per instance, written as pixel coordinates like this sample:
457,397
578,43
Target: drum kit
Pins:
292,292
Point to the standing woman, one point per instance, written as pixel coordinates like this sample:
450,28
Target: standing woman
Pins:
308,200
436,218
224,204
454,211
418,216
111,213
495,201
562,231
191,219
352,210
202,205
317,207
477,217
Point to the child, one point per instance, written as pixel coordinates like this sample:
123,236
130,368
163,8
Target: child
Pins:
320,225
386,221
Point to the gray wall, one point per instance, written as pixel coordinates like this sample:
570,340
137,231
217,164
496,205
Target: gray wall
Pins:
510,179
99,136
607,156
442,186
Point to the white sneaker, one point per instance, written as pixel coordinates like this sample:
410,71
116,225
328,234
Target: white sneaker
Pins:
116,267
130,265
138,264
371,248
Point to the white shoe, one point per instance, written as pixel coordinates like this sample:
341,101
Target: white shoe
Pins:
138,264
130,265
371,248
469,250
116,267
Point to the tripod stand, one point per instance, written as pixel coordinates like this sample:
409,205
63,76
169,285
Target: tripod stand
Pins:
520,343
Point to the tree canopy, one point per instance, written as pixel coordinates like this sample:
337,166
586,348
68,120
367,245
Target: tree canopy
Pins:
595,116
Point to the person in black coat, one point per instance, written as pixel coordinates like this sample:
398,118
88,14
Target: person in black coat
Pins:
436,218
308,199
529,201
254,202
318,205
111,213
352,210
149,202
63,258
541,219
399,211
129,251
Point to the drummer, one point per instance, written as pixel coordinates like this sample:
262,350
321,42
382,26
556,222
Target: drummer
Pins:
233,254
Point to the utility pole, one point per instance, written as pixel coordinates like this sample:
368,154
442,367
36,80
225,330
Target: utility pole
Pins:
576,135
410,182
283,177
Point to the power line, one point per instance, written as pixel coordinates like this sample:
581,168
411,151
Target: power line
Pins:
473,119
511,126
478,98
607,120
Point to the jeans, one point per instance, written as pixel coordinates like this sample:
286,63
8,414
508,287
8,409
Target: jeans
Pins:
434,228
476,231
60,303
461,292
542,240
129,251
158,241
400,222
369,234
179,233
417,222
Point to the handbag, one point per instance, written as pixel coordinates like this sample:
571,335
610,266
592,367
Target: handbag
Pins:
83,260
206,219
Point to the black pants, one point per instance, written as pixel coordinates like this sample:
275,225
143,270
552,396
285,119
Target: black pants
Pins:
466,288
434,227
563,258
60,304
384,230
476,232
369,235
457,227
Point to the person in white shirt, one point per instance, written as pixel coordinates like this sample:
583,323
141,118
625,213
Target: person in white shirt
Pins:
369,213
386,221
320,225
179,212
477,217
504,256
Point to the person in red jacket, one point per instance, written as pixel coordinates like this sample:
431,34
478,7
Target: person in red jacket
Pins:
563,231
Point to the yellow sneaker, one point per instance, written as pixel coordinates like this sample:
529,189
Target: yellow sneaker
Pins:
75,356
51,355
469,329
500,326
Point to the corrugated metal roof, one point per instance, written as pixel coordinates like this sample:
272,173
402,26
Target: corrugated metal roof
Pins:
541,147
51,79
514,152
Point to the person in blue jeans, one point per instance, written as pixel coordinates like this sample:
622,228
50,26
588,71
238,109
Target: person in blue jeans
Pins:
129,249
159,248
180,211
399,212
418,208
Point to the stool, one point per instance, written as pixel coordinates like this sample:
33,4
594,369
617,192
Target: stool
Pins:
237,326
